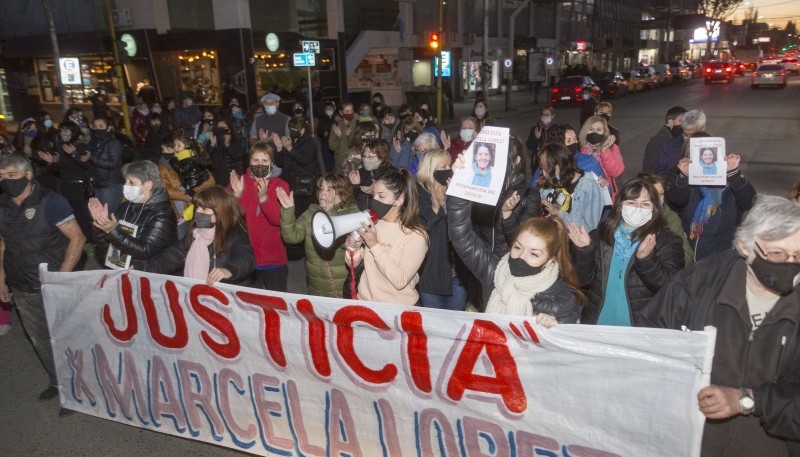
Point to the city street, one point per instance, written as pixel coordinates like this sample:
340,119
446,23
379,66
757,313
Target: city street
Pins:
763,126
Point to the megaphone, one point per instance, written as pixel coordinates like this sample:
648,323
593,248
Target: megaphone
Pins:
326,229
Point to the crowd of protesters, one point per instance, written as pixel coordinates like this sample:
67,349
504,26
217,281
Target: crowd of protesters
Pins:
223,195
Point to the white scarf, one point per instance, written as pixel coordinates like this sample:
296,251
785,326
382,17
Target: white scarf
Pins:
512,295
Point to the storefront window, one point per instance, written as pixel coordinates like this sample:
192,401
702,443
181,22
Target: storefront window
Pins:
275,72
96,75
5,102
199,74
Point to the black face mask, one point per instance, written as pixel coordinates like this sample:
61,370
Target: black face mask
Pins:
294,134
606,116
14,187
777,277
221,131
380,208
520,268
100,134
203,220
411,136
442,176
260,171
594,138
677,131
298,111
574,148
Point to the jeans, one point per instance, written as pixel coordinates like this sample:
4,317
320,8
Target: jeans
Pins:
31,312
111,195
455,302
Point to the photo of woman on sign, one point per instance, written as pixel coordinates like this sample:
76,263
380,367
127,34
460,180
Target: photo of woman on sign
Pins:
482,164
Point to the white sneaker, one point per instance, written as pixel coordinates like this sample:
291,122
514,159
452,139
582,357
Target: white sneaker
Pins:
4,329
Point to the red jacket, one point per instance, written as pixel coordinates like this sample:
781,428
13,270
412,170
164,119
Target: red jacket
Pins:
264,221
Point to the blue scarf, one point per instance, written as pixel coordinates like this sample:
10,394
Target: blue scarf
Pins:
623,245
712,198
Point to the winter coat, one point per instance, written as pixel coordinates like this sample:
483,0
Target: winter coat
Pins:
505,230
718,233
264,219
74,172
157,229
226,158
670,155
652,152
435,276
559,300
299,163
326,269
457,146
643,277
237,257
106,160
612,165
767,360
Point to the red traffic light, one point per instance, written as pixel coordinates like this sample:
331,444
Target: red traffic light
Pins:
433,41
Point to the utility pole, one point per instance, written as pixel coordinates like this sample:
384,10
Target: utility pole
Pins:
126,117
51,25
485,49
439,61
510,76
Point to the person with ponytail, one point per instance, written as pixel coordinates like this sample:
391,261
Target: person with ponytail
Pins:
628,259
393,249
534,279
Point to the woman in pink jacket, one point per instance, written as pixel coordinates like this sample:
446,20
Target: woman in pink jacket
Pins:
256,191
596,140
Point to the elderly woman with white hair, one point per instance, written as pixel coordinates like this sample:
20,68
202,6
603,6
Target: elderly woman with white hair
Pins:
143,226
425,142
751,296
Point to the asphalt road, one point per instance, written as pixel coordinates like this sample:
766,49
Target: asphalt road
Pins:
763,126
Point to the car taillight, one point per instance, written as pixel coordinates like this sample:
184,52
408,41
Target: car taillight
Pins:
708,70
555,90
755,74
578,90
728,69
783,73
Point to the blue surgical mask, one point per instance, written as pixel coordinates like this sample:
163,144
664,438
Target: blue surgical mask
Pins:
203,137
48,123
270,110
238,114
419,156
31,133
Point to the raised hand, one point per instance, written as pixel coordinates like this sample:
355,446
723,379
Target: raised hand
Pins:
277,140
263,184
286,200
578,235
460,163
355,177
336,130
646,247
446,143
263,135
396,144
286,142
509,205
237,184
68,148
683,166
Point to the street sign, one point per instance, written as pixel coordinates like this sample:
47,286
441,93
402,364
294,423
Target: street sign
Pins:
446,69
549,62
310,46
507,63
304,59
70,71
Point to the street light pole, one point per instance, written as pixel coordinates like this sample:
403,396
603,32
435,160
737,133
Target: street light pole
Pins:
510,75
51,25
439,62
126,118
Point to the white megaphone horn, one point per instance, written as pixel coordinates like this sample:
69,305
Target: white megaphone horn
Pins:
326,229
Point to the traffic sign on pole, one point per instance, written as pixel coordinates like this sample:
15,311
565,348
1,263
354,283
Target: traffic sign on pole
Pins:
310,46
549,62
304,59
508,63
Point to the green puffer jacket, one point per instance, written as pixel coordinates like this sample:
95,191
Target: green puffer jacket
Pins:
324,268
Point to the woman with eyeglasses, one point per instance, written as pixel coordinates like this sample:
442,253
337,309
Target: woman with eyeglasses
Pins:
628,259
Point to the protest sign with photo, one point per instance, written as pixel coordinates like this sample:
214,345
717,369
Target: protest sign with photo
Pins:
481,180
708,167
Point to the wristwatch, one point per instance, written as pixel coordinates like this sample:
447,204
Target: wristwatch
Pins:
746,402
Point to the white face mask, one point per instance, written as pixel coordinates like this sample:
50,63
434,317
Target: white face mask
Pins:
371,163
479,111
329,112
636,217
132,193
467,135
546,119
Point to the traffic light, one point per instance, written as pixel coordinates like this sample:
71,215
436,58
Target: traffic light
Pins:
433,41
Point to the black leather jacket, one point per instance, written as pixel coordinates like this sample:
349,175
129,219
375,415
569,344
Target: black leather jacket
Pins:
558,301
157,230
237,257
643,277
106,161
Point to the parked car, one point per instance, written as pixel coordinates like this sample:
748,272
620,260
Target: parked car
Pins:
648,74
635,81
680,71
738,67
570,89
611,83
770,74
717,70
663,74
791,66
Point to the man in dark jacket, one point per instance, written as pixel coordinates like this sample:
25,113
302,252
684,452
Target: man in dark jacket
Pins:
36,226
693,122
104,153
671,128
751,296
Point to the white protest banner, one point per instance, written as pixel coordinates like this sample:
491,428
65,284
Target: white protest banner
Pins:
283,374
481,180
708,167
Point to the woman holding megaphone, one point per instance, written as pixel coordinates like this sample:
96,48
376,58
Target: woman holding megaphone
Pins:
325,267
393,249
